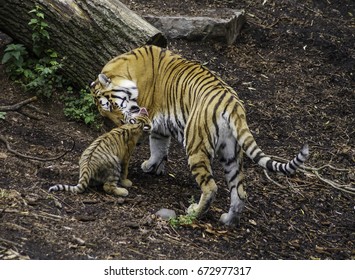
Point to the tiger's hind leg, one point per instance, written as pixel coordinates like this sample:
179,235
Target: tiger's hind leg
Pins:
159,147
200,166
231,157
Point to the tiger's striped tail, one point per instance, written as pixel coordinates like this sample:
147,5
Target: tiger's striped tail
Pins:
247,142
79,188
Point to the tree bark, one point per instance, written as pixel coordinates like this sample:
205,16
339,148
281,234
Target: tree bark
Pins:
87,33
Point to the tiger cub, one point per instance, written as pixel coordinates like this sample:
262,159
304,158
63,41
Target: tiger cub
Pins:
106,160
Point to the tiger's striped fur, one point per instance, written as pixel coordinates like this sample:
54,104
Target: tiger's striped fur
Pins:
187,101
106,160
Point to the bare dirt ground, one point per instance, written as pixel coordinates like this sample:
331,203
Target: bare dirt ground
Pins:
293,66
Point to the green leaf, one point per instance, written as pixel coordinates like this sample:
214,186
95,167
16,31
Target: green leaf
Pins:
53,54
33,21
17,55
7,56
40,15
28,73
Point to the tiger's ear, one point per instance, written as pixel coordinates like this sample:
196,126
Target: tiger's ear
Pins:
104,80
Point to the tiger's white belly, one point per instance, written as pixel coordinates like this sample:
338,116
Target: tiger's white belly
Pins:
169,125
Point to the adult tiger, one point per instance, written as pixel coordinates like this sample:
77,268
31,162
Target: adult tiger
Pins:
187,101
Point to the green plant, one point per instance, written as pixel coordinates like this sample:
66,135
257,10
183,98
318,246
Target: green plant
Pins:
38,74
43,77
40,35
2,115
80,107
182,220
14,57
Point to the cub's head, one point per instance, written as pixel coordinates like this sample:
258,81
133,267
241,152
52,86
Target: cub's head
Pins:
116,100
141,119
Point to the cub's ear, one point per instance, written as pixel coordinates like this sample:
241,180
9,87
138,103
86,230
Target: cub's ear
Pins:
104,80
143,112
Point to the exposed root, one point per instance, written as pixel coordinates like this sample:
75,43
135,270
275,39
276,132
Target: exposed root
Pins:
8,147
309,171
18,107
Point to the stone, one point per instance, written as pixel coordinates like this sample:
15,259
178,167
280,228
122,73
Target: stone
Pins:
166,214
219,24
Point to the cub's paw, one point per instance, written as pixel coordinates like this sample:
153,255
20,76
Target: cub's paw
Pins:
126,183
154,168
113,189
229,220
120,191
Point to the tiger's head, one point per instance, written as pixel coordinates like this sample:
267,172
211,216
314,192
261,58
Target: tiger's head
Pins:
115,100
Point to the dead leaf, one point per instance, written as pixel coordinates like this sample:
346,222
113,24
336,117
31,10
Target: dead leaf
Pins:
3,156
252,222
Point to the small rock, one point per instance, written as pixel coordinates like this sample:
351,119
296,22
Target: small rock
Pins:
215,24
166,214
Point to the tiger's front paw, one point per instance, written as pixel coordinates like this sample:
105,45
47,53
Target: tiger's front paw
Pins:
154,167
126,183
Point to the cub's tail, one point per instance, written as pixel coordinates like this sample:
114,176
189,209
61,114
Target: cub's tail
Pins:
74,189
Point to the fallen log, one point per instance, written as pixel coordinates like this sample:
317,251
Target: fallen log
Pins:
87,33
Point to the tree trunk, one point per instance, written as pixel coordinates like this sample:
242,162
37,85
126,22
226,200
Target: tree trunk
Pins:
87,33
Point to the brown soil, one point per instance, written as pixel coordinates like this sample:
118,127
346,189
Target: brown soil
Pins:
293,66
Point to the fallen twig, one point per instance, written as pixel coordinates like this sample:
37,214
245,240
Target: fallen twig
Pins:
307,170
9,242
40,214
20,106
8,147
17,106
39,111
276,183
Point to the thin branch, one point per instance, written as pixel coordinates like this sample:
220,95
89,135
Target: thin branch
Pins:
8,147
348,188
17,106
273,181
39,111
